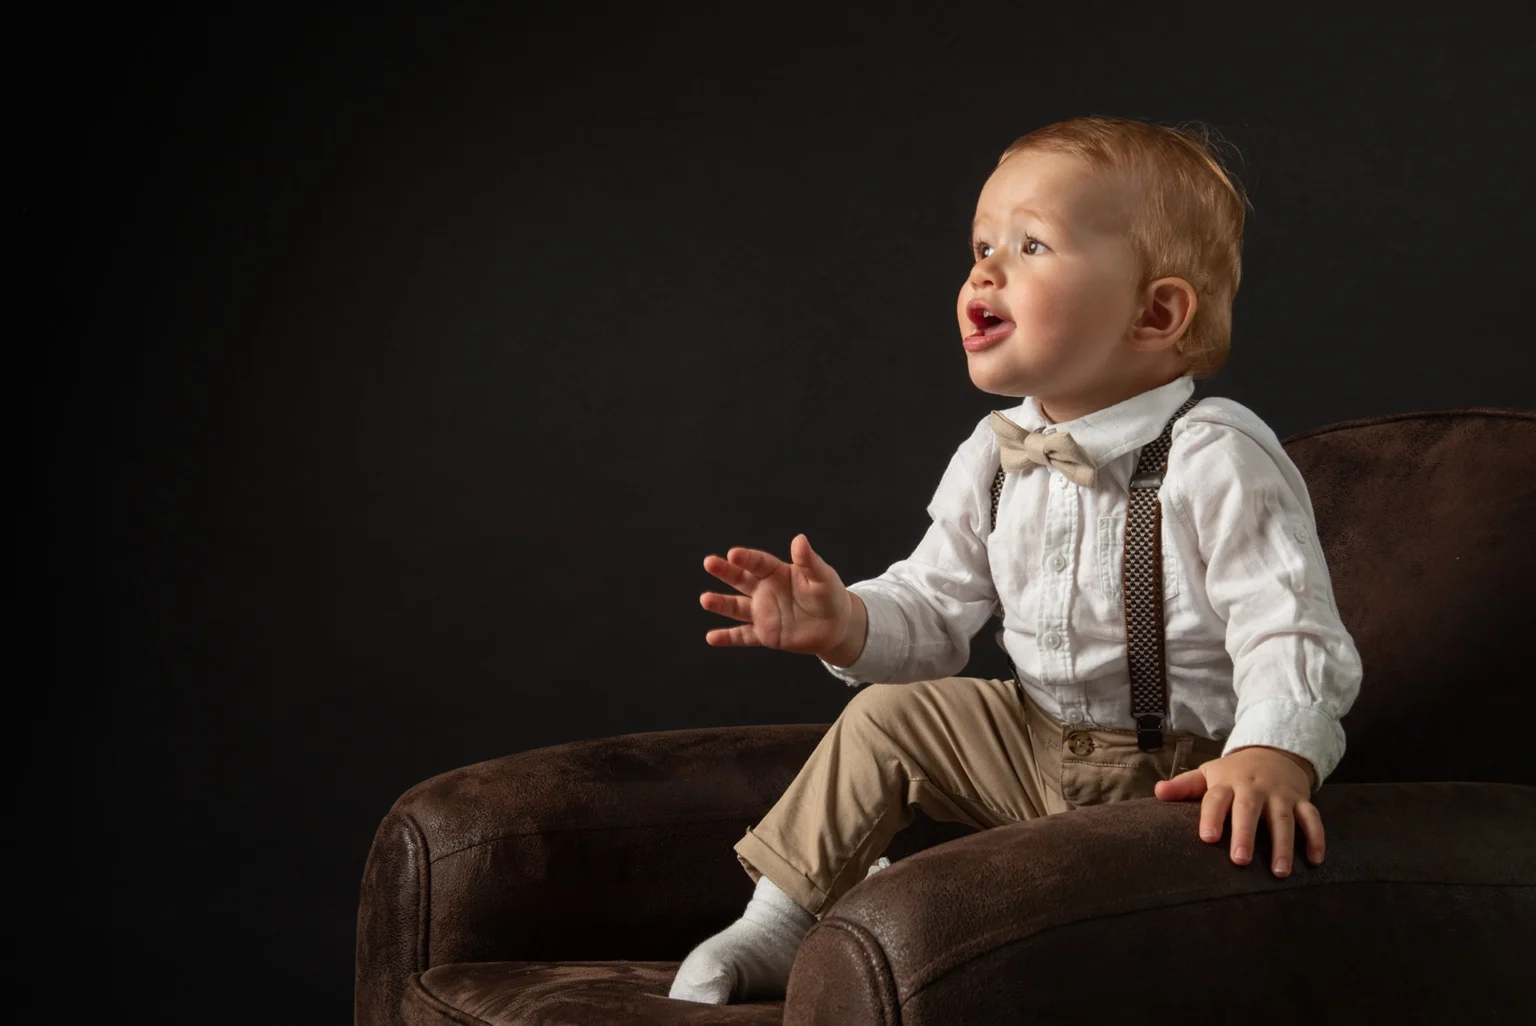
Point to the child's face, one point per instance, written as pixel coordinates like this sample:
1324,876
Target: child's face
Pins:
1065,276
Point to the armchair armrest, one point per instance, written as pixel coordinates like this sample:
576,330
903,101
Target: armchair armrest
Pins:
616,848
1421,911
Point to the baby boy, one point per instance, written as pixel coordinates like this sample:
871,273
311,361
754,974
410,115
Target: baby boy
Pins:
1105,258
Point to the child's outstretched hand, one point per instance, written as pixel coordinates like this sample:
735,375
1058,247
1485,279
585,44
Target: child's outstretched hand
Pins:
1253,781
796,607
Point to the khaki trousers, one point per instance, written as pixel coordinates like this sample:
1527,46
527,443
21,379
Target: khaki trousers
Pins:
964,749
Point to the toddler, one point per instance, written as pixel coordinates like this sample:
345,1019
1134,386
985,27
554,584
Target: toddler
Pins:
1105,258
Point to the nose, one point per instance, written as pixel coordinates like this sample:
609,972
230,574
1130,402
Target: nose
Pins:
982,276
984,273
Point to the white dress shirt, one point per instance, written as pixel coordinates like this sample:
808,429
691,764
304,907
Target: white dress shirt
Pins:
1256,652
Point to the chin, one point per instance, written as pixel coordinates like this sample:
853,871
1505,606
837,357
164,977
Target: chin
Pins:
992,386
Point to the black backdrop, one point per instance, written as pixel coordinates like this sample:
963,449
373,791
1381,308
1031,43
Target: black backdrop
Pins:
394,372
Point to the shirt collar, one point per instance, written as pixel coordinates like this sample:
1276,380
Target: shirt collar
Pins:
1108,434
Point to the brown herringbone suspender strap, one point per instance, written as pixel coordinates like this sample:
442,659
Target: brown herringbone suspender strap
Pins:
1141,580
1141,588
997,490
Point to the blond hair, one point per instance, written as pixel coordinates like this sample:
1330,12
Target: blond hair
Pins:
1188,223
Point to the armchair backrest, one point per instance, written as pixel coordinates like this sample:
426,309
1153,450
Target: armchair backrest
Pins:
1426,521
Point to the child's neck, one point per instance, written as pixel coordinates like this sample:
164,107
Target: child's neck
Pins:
1071,409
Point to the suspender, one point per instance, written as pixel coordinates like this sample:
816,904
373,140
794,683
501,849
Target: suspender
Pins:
1141,586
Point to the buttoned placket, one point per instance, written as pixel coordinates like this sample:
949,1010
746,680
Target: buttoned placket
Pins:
1057,574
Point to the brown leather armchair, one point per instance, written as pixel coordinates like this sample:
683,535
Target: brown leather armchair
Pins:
565,884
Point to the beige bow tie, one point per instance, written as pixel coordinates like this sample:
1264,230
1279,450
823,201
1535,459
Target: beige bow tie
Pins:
1020,448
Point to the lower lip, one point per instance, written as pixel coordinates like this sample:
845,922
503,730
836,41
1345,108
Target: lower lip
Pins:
977,342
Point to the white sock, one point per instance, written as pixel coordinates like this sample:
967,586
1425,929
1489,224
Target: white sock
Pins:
752,957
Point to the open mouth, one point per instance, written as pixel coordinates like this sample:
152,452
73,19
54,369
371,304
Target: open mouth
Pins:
986,321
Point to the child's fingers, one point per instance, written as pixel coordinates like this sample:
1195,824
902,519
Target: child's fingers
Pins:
1311,822
1213,811
737,607
1246,808
1282,835
755,561
806,557
733,637
731,574
1189,784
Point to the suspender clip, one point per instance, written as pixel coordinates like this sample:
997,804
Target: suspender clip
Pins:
1148,480
1149,732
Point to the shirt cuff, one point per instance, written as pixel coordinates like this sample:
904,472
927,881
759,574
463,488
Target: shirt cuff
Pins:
1300,729
885,640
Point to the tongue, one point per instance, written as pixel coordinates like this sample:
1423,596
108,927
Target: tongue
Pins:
993,329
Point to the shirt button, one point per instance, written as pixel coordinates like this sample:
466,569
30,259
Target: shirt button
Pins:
1058,561
1053,640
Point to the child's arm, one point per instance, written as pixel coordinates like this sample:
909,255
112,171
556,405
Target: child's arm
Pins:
924,610
1296,670
914,622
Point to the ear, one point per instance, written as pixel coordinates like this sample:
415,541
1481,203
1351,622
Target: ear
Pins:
1168,305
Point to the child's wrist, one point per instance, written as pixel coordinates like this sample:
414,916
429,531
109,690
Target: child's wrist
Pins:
847,651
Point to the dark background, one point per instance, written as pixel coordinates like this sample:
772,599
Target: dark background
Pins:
394,372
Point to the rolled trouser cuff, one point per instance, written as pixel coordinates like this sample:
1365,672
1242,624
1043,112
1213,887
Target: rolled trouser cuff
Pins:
759,860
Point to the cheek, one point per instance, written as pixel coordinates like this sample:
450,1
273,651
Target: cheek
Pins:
1041,303
1064,304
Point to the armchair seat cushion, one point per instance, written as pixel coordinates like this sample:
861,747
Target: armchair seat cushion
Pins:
617,993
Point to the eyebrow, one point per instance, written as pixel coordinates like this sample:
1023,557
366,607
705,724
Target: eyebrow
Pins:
1049,222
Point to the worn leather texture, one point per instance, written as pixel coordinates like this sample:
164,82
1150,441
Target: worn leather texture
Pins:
1426,887
565,884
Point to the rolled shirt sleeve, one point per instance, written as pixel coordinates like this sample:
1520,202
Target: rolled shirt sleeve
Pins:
1296,670
924,610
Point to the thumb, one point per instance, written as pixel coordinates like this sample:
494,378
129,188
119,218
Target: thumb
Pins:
1189,784
805,557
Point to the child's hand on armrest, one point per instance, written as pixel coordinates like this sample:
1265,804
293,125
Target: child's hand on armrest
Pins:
1254,781
796,607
